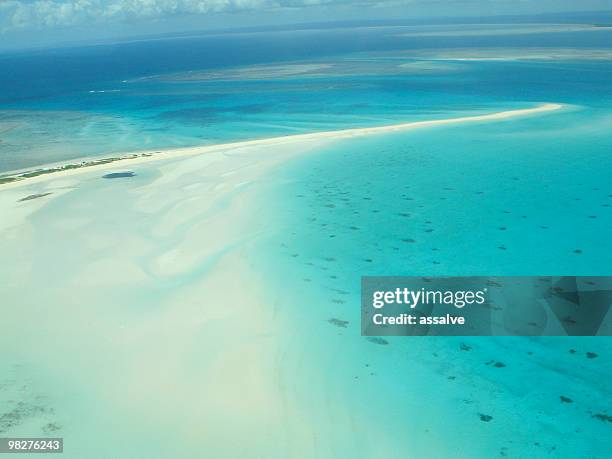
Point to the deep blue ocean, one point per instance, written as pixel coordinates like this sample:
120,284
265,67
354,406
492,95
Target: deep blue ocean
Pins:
67,103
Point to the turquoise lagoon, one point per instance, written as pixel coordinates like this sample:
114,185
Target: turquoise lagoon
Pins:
524,196
510,198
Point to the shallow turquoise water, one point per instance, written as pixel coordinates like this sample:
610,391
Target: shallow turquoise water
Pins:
509,198
463,200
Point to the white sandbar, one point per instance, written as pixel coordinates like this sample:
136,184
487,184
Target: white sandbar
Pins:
152,155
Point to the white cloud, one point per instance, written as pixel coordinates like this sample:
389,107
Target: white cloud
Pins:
37,14
29,15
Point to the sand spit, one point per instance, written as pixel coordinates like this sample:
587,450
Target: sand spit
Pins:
39,174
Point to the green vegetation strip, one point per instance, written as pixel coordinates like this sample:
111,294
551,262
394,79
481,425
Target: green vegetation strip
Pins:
51,170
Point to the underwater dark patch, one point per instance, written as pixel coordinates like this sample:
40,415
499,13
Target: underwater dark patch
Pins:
377,340
338,322
114,175
34,196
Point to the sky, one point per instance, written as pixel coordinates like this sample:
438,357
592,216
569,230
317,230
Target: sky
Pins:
26,23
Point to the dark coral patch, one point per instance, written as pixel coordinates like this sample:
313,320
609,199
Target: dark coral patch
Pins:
34,196
338,322
114,175
377,340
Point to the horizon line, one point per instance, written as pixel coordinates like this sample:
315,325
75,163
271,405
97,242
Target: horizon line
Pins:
315,25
